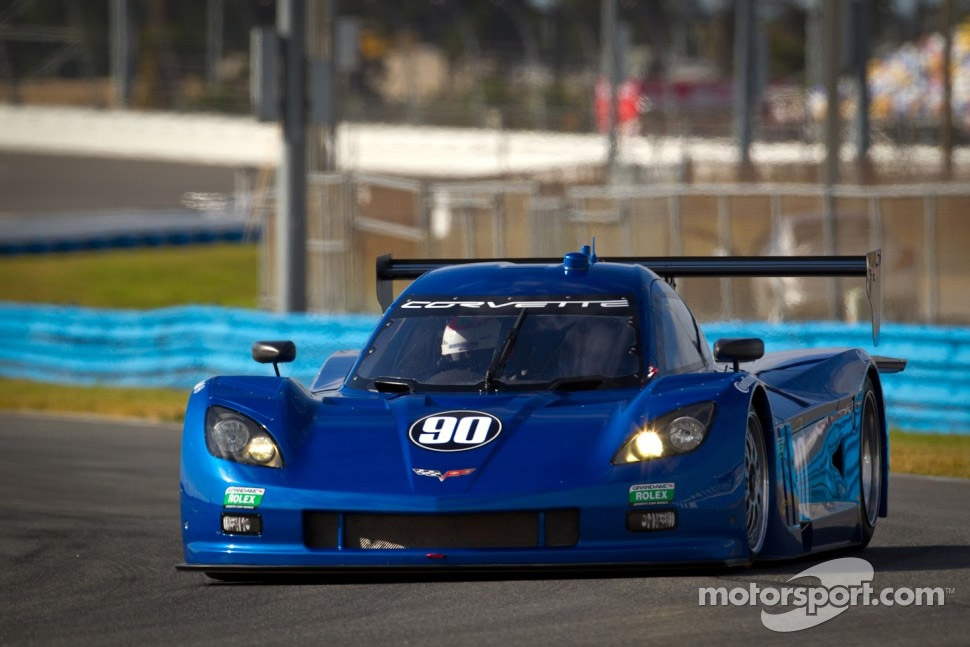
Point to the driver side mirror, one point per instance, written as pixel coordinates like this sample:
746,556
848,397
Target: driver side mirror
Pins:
274,352
739,350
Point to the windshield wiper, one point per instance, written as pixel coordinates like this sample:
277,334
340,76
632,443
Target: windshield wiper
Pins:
498,360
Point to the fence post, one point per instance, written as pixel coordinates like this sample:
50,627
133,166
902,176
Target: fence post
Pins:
774,244
626,219
673,215
423,219
724,242
349,212
875,223
498,225
930,266
833,287
469,220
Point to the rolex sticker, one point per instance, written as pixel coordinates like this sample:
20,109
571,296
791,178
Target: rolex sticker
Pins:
651,493
243,497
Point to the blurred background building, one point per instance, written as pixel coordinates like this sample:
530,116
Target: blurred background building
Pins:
516,64
490,129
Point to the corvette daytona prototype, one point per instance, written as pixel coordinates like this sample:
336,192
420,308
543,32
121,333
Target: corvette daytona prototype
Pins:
540,412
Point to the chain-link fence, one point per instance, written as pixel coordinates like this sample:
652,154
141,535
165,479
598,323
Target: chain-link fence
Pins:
919,228
356,217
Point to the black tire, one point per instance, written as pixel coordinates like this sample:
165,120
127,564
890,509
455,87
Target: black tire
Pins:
757,497
870,463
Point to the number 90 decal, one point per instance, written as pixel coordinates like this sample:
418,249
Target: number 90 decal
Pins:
455,431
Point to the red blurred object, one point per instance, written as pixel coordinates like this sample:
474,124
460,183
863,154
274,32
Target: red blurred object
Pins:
627,106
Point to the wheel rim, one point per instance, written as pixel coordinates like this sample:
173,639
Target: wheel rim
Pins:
871,461
756,495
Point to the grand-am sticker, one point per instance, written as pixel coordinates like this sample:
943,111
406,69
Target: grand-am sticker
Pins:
651,493
455,431
243,497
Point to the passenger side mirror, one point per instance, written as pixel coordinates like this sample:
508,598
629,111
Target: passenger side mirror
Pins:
745,349
274,352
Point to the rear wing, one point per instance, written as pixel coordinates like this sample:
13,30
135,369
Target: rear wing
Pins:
671,267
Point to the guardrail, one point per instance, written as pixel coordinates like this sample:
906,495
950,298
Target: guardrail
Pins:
177,347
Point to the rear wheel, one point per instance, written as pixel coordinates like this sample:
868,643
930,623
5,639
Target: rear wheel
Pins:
870,464
757,490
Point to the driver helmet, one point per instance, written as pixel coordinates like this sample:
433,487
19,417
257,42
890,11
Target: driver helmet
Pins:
464,336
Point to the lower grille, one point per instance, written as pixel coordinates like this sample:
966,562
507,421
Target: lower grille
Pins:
465,530
320,529
491,530
562,528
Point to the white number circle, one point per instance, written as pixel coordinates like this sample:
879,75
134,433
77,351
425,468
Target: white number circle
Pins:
455,431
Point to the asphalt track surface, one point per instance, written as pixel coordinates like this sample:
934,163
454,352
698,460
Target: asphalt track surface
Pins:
37,183
89,536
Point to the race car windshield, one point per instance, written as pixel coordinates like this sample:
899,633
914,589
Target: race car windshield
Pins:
504,343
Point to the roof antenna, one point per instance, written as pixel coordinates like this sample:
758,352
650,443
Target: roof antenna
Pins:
592,256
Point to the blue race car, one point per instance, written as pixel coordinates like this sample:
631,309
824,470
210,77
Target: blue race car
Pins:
540,412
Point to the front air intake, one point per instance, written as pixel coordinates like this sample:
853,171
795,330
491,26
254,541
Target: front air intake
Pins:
518,529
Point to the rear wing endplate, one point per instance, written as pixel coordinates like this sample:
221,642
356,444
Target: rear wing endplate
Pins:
669,267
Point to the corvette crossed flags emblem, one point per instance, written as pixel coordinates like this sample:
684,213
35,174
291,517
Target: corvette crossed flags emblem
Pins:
441,476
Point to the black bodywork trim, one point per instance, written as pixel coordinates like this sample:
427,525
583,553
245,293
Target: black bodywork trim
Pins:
444,567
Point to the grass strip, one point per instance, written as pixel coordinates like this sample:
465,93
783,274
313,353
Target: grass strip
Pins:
223,274
165,405
931,454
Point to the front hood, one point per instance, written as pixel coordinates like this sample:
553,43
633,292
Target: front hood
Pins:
547,440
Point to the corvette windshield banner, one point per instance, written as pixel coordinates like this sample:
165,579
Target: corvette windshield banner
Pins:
482,305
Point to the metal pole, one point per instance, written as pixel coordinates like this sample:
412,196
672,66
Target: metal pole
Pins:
860,58
213,53
530,47
946,119
831,9
321,22
121,52
291,175
744,64
473,63
833,38
610,47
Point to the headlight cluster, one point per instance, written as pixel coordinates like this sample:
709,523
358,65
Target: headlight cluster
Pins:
236,437
677,432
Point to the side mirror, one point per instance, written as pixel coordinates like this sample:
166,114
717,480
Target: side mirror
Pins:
274,352
739,350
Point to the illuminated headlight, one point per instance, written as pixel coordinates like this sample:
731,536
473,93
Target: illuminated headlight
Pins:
262,450
235,437
677,432
647,443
